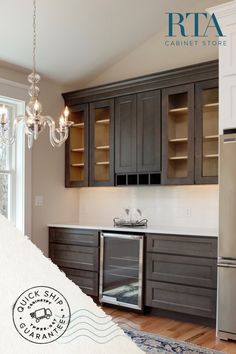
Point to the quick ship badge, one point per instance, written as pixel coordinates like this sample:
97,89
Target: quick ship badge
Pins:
41,315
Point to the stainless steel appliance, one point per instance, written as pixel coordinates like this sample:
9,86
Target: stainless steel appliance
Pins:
226,314
121,270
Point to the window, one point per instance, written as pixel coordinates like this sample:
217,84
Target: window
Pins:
12,169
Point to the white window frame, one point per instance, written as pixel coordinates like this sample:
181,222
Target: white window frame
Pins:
16,210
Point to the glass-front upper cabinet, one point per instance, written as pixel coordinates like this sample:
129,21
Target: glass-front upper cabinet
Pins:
77,148
178,135
102,143
207,131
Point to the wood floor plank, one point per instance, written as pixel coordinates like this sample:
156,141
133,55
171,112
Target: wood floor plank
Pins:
185,331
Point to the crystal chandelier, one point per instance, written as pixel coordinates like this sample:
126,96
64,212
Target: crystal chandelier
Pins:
34,123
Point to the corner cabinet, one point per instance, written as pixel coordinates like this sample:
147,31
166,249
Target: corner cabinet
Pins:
76,165
102,143
178,135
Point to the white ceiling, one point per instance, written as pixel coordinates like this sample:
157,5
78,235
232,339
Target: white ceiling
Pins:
78,39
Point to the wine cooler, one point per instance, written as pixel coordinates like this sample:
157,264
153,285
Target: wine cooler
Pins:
121,270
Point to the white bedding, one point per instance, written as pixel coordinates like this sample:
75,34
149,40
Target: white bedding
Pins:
23,266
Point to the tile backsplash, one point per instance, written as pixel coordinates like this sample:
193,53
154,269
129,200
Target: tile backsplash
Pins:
190,206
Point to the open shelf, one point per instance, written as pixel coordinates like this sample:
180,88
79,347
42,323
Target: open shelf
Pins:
103,163
77,155
211,156
77,150
178,158
177,134
178,140
211,137
103,121
214,104
101,144
78,125
178,110
77,164
104,147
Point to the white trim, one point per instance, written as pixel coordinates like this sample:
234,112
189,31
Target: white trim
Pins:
15,91
223,10
13,84
18,184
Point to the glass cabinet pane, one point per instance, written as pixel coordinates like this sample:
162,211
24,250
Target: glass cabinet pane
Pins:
102,144
178,135
77,148
210,151
77,139
121,270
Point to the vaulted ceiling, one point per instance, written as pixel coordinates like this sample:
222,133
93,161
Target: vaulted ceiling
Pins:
78,39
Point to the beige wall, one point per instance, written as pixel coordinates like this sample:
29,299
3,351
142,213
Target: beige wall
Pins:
47,163
154,56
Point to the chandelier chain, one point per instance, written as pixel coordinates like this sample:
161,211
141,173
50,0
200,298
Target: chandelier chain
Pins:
33,120
34,36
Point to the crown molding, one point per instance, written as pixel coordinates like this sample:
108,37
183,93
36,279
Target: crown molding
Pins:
223,10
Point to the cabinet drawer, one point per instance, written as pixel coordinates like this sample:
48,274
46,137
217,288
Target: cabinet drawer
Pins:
78,257
87,281
181,298
182,270
74,236
184,245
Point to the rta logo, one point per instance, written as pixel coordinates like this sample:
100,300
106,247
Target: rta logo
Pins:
178,23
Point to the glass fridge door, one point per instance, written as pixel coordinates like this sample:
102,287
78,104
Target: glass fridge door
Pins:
121,273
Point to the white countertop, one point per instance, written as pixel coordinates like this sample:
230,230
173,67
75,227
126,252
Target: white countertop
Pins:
171,230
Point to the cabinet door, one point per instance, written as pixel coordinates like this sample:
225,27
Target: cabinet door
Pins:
207,132
87,281
75,257
181,298
125,134
178,135
149,132
70,236
102,143
76,164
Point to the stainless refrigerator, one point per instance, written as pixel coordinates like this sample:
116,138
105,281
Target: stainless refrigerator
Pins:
226,304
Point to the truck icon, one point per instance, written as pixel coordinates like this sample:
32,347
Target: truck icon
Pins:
40,314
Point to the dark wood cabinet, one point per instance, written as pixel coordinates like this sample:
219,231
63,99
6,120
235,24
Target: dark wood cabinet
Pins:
87,281
206,132
76,253
102,143
149,132
178,135
181,274
162,130
125,134
181,298
77,147
138,133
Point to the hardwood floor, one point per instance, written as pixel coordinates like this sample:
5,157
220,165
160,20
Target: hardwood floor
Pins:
186,331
